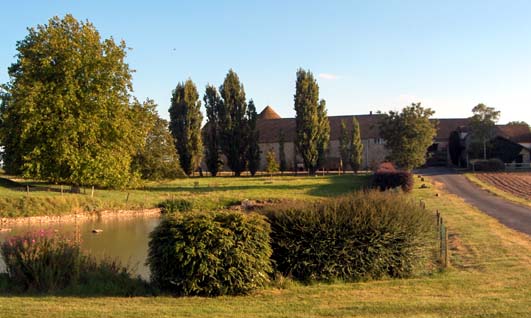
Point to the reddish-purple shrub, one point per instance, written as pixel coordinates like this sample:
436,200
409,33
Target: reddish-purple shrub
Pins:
386,167
385,180
42,261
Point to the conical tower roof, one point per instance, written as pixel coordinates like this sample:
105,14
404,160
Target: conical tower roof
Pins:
269,113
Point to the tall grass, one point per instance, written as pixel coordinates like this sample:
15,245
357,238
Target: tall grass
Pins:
47,262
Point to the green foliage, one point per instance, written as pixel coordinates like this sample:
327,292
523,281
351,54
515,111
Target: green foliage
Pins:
281,152
211,135
271,162
344,141
517,123
253,152
185,125
482,123
42,261
359,236
47,262
408,135
66,113
350,146
158,158
210,254
356,147
455,147
233,123
312,125
175,205
488,165
386,179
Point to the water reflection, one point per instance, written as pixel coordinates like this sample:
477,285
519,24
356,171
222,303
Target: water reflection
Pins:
122,238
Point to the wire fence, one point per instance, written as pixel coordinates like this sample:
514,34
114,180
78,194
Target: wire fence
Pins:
443,253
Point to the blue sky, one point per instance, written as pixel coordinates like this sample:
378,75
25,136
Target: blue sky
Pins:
367,55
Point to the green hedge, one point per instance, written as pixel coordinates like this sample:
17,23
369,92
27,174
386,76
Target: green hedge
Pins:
210,254
175,205
488,165
359,236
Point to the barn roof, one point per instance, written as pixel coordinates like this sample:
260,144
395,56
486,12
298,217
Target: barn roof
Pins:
270,129
270,124
515,133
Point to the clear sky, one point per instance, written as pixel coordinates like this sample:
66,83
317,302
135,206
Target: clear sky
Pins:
367,55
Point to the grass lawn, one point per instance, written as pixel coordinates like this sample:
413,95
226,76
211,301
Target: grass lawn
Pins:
497,191
205,193
490,274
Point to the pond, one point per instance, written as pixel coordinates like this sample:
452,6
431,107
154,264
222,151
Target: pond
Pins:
125,239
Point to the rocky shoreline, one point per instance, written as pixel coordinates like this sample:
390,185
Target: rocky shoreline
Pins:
77,217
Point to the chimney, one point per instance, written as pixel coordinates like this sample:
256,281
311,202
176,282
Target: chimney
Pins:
370,113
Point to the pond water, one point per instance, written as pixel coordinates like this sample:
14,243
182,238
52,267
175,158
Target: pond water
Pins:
123,238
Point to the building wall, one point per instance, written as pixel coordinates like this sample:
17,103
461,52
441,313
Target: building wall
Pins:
526,156
374,152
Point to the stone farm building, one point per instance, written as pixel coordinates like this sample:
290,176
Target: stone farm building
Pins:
271,125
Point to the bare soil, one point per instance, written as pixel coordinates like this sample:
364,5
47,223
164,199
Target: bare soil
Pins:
516,183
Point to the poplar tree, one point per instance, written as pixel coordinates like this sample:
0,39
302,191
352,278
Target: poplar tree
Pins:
355,147
253,152
281,152
185,125
233,123
211,136
344,145
67,114
312,125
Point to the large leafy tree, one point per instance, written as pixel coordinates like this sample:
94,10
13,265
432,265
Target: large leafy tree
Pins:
233,123
158,159
408,134
185,125
253,152
482,123
67,114
312,125
212,102
355,146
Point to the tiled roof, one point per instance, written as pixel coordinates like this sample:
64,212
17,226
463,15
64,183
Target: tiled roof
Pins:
515,133
270,124
268,113
445,127
270,129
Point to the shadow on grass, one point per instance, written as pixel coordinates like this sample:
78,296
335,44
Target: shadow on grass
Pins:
117,286
336,185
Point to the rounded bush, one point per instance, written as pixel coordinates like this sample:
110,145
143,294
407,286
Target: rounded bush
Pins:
360,236
385,180
210,254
